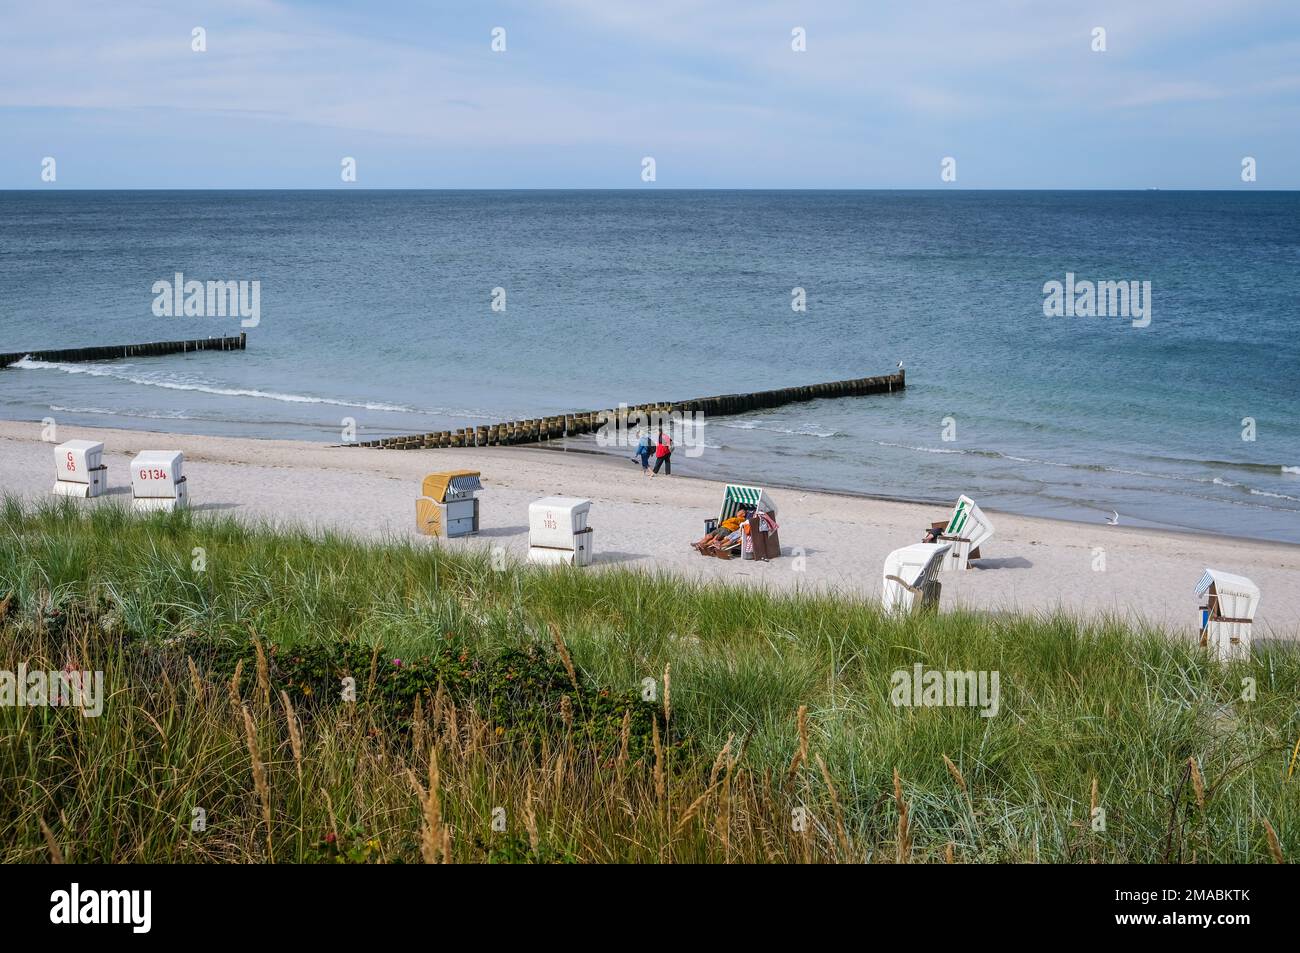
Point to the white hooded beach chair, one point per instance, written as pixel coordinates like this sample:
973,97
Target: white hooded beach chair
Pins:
910,573
158,481
79,469
558,533
967,529
1227,615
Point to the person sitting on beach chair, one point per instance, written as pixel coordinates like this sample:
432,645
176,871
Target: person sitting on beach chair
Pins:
966,529
726,536
935,534
724,546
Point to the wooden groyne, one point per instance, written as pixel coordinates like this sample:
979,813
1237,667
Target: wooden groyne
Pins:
537,429
114,352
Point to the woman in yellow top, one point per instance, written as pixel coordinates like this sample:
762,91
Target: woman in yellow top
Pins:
728,531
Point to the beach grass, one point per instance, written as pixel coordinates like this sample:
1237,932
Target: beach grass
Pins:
523,715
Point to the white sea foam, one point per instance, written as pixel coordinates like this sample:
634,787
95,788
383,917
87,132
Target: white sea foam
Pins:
100,371
1276,496
105,412
753,425
904,446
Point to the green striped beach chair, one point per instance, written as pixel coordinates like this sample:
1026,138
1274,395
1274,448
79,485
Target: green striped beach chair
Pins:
967,530
736,497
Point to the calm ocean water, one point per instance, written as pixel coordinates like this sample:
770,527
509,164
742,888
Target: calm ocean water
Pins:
376,306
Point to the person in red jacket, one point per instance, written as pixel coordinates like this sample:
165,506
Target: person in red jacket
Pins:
664,454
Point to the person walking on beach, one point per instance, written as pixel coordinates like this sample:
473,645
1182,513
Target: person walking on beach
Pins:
664,454
643,450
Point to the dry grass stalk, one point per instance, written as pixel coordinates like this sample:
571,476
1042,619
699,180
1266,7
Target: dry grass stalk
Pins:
660,780
1274,845
563,651
439,702
235,700
904,834
558,779
1198,783
196,680
668,694
263,673
260,781
168,689
801,718
417,725
724,813
794,768
471,733
841,833
56,854
693,809
767,840
295,733
530,818
801,754
956,774
724,757
433,838
949,854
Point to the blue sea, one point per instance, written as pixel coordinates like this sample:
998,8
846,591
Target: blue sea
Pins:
377,306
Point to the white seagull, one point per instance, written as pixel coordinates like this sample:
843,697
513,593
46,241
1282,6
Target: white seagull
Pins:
1113,519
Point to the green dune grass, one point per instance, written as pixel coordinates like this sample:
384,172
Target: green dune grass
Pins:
525,718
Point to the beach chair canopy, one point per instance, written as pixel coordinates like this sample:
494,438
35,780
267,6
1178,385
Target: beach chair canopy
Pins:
736,497
556,522
969,522
1232,597
75,459
436,485
916,564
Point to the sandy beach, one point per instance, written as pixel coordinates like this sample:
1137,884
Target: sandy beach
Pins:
1031,565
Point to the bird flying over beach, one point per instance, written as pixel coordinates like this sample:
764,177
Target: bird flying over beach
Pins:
1113,519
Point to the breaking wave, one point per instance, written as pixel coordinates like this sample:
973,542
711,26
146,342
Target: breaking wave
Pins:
100,371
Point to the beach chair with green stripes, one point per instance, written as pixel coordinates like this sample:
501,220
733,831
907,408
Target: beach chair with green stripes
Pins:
736,497
967,530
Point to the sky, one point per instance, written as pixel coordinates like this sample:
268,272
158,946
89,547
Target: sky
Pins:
1012,90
